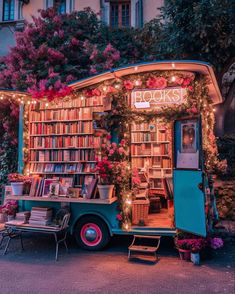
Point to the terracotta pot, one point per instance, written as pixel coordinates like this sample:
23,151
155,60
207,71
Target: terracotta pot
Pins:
184,254
105,191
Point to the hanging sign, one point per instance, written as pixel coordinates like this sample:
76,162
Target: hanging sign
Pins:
155,98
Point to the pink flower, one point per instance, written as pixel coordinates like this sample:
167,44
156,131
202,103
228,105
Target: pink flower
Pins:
186,82
179,80
190,88
161,83
123,142
114,145
194,110
121,150
109,137
96,92
111,152
74,42
119,217
151,82
128,85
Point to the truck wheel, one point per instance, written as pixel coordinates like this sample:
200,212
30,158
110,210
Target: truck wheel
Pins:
91,233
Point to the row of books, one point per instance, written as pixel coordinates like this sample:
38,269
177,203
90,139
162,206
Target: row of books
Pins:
62,114
63,155
154,162
78,102
155,183
143,137
61,168
87,141
150,149
61,128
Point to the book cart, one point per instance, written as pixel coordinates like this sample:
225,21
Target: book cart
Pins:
63,148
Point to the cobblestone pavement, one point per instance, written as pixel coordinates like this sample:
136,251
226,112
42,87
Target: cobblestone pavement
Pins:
35,271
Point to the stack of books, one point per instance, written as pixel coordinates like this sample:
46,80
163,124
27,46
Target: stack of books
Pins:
23,216
41,216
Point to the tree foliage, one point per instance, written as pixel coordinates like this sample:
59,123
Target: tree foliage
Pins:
199,29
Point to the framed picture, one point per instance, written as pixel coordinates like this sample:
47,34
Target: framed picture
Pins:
187,144
46,187
65,184
188,135
54,189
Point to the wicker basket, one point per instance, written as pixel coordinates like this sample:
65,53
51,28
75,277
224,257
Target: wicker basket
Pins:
140,210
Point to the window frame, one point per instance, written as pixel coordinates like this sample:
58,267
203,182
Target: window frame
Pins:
119,5
9,19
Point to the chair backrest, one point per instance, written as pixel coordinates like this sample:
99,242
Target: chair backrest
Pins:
65,221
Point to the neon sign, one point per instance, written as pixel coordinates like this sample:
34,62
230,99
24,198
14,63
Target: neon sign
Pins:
155,98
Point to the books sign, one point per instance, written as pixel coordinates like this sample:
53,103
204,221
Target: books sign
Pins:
155,98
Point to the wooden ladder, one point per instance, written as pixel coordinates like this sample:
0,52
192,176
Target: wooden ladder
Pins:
142,248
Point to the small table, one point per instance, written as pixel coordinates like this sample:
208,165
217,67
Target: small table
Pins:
142,248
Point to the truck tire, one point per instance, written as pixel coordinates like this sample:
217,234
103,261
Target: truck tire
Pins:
91,233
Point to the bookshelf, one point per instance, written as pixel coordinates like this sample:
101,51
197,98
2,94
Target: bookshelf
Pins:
151,153
62,142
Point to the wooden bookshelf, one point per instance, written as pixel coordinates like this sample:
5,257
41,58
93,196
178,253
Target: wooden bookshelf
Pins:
151,152
62,144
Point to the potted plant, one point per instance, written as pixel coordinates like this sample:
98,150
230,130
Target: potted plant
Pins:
184,248
196,247
106,178
17,183
8,210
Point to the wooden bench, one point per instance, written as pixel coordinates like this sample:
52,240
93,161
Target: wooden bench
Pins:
143,248
14,230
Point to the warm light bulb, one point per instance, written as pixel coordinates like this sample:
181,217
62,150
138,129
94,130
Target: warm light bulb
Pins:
128,202
1,97
173,79
117,86
214,109
173,65
46,104
28,102
136,68
105,88
82,97
137,83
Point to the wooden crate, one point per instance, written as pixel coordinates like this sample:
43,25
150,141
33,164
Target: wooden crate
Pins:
140,210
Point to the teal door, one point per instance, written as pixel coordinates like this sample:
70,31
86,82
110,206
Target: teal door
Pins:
189,198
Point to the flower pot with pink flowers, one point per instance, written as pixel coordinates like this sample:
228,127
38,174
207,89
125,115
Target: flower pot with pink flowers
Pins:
8,211
17,183
106,178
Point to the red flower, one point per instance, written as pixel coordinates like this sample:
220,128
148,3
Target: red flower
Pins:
186,82
161,83
88,93
109,137
119,217
179,80
96,92
128,85
190,88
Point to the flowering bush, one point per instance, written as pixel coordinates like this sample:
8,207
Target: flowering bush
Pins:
9,208
216,243
194,245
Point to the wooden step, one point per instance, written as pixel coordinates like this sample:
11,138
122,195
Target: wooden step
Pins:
143,248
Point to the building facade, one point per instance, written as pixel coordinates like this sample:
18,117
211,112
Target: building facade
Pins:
115,13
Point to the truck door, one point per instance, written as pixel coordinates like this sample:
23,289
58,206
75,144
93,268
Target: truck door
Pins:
189,198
